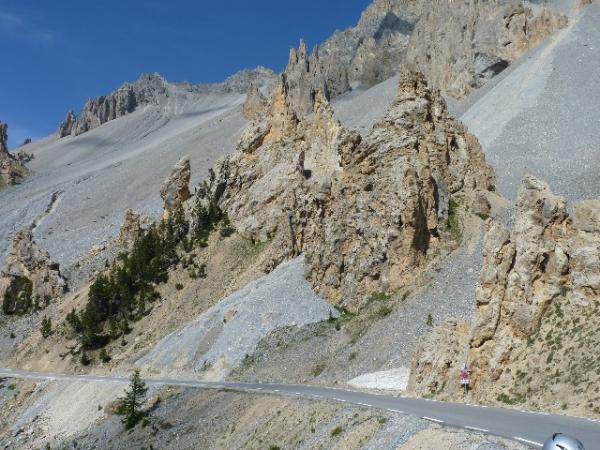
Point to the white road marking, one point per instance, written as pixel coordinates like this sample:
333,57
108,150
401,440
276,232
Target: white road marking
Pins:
527,441
432,419
341,400
483,430
397,411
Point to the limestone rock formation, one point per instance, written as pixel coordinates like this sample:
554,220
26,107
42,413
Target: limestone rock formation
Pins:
146,90
364,55
386,212
175,189
131,229
364,212
256,103
460,45
68,125
29,278
537,301
12,169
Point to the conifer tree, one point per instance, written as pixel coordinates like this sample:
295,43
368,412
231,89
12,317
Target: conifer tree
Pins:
131,409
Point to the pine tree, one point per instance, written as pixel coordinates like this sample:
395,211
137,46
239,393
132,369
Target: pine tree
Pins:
131,408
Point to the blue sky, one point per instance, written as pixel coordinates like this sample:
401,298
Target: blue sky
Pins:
56,54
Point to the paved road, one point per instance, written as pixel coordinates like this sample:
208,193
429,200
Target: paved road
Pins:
527,427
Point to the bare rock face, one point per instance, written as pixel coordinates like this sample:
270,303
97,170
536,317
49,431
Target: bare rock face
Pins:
459,45
391,197
29,279
131,228
256,103
12,169
365,213
175,189
67,126
148,89
536,305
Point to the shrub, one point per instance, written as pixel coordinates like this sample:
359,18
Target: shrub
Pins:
337,431
17,298
104,356
179,286
429,321
46,328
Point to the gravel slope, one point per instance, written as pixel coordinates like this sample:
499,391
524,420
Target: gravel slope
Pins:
219,339
119,165
542,116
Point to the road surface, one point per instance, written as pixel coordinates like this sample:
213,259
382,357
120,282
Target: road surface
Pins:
528,428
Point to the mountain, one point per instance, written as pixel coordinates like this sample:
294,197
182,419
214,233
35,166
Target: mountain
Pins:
459,45
414,194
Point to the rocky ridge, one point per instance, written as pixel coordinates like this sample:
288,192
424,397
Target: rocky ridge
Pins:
12,168
148,89
461,45
364,212
152,89
457,45
534,339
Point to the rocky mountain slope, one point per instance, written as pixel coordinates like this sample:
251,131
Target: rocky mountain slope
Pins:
296,181
384,194
84,183
459,45
151,89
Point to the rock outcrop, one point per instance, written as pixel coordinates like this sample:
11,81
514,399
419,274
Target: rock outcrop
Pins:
365,213
460,45
256,103
148,89
364,55
131,229
153,89
29,280
536,304
175,189
68,126
12,169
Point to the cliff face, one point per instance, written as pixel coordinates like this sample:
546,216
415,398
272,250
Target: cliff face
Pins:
12,168
365,213
458,45
537,310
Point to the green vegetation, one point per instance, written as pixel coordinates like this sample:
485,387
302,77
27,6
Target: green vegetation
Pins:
46,328
131,408
17,298
453,221
123,293
337,431
429,320
104,356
